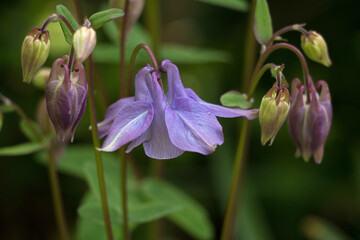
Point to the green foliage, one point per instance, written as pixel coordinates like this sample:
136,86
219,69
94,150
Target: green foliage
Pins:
262,22
21,149
239,5
28,132
236,99
192,218
61,9
100,18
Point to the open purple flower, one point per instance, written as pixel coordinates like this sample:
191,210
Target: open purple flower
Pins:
166,125
309,123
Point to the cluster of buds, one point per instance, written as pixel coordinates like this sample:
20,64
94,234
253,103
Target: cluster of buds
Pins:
35,50
310,119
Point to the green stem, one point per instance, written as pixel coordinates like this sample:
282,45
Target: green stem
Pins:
122,51
56,195
249,49
96,143
152,16
123,180
258,77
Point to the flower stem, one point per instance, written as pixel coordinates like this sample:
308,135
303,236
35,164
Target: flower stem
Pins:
237,177
122,51
96,143
152,16
123,176
56,195
54,18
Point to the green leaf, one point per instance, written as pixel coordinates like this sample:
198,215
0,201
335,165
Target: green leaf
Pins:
262,22
6,108
21,149
140,213
236,99
100,18
61,9
28,132
239,5
75,157
192,218
87,229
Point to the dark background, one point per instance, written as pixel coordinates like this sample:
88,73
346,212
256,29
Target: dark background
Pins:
283,193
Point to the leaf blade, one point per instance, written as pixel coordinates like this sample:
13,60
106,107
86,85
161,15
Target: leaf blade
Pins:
100,18
262,22
62,10
21,149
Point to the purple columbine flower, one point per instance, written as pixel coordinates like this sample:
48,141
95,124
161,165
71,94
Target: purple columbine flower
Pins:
66,94
309,122
167,125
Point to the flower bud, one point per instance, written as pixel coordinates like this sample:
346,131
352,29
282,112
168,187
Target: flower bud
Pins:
41,77
273,111
35,50
310,122
66,95
315,48
84,42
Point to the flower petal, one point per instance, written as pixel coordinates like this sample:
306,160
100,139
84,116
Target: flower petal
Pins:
175,86
192,127
141,88
130,123
224,112
111,114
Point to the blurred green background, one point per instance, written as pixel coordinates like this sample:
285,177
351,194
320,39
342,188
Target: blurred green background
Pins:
283,197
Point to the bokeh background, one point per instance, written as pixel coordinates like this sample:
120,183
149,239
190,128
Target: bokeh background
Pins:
282,197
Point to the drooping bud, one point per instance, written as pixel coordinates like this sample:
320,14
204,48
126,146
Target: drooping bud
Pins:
84,42
66,94
134,11
315,48
41,77
273,111
310,122
35,50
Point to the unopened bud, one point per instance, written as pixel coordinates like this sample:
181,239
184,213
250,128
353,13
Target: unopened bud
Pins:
41,77
35,50
310,122
84,42
66,95
273,111
315,48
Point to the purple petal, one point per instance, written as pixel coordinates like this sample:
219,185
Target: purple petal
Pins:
224,112
192,127
130,123
143,137
78,106
111,114
175,86
159,145
141,88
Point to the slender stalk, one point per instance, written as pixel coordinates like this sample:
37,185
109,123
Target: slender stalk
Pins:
123,174
56,195
237,177
96,143
258,77
295,27
54,18
122,51
152,16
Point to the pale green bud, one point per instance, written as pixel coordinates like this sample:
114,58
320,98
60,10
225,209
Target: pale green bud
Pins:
34,53
41,77
273,112
84,42
315,48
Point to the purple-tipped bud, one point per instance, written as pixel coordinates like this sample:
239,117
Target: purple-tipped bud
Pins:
66,94
315,48
84,42
273,111
35,50
309,122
